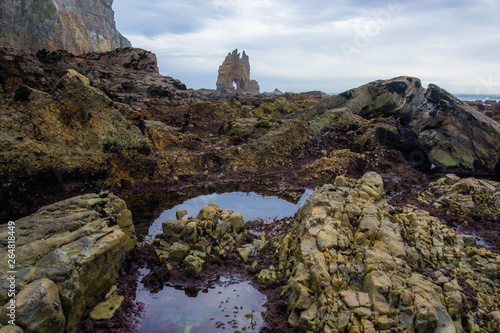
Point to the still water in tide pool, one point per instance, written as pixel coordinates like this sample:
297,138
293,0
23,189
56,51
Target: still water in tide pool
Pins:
231,305
251,205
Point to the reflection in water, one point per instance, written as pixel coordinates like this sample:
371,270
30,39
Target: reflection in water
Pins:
251,205
230,306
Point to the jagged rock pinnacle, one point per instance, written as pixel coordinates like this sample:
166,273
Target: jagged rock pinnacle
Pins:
236,69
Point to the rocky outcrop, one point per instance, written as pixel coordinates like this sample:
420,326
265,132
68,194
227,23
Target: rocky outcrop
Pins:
397,97
355,264
66,118
446,131
189,241
75,26
464,197
454,134
489,108
236,70
127,76
67,255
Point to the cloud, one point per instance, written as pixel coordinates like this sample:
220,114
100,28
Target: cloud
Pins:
298,46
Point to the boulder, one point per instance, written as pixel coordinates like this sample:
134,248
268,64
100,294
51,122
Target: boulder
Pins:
455,135
78,244
11,329
38,308
398,97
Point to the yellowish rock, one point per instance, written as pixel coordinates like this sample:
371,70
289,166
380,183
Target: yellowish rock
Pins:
107,308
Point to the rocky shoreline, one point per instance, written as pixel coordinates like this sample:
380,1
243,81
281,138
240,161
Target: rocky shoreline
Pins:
379,249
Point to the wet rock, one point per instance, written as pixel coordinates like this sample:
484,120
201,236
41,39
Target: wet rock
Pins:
178,251
38,308
193,263
398,96
107,308
190,240
78,244
391,269
181,214
237,222
267,275
465,197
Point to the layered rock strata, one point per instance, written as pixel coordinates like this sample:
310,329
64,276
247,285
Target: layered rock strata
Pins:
75,26
355,264
67,255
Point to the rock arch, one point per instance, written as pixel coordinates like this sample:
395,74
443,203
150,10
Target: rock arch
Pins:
236,70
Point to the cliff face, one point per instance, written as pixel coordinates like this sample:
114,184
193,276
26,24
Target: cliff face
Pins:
72,25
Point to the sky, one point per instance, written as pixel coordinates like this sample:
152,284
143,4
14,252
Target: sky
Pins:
331,46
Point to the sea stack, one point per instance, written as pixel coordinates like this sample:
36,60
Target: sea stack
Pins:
236,69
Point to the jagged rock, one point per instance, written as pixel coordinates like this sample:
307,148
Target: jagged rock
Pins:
390,269
267,275
193,263
455,134
74,26
79,245
465,197
190,240
236,70
128,75
38,308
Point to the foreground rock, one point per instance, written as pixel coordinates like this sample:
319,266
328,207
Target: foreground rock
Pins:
67,255
355,264
72,25
188,241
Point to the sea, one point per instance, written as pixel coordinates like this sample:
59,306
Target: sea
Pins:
476,97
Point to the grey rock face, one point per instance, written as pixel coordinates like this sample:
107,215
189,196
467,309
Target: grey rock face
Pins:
75,26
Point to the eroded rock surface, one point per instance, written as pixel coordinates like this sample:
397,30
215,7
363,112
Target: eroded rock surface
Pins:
236,69
70,253
188,241
355,264
75,26
455,134
465,197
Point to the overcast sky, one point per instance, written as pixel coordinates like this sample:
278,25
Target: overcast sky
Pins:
318,45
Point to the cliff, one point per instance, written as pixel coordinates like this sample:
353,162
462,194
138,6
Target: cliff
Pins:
75,26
